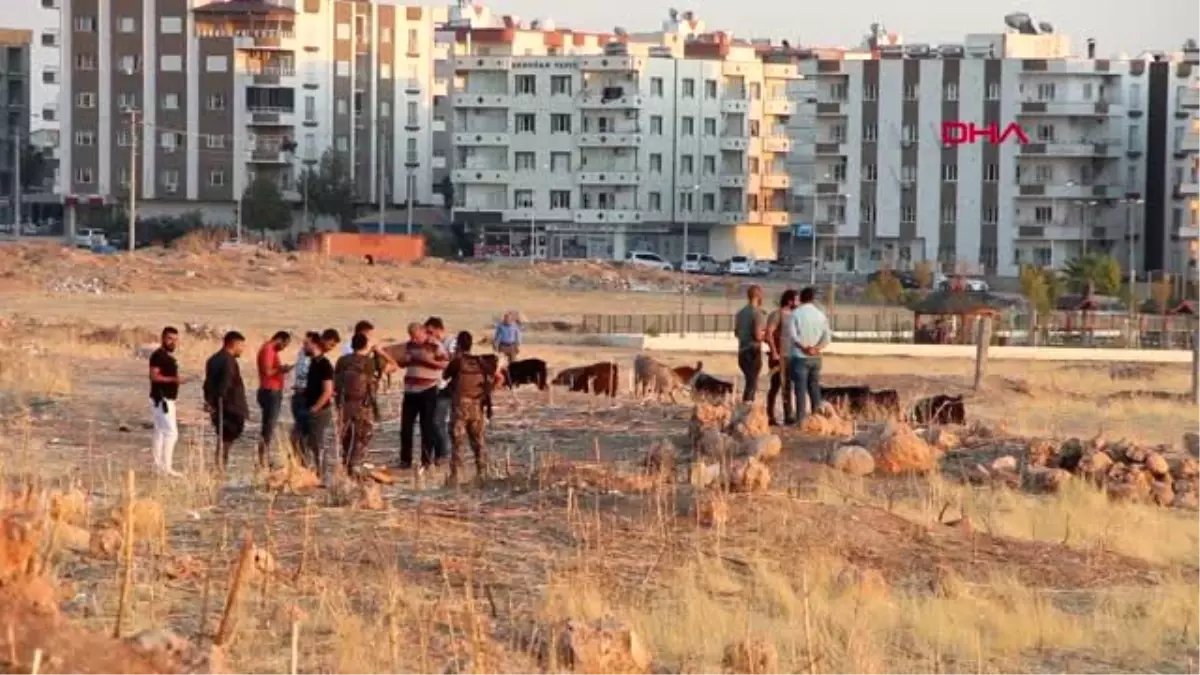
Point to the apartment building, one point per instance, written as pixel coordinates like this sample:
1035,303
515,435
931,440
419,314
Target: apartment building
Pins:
1172,130
594,145
982,156
42,18
215,94
14,113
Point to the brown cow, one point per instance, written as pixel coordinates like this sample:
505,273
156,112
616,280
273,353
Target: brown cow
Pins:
598,378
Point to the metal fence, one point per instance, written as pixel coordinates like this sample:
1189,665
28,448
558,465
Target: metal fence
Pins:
1061,328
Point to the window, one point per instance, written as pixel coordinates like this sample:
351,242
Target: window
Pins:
656,87
525,85
85,24
709,165
410,151
685,200
170,25
656,125
214,141
837,91
342,106
343,31
216,178
949,214
656,165
950,91
85,138
708,202
310,108
838,133
560,85
130,64
950,172
1043,215
169,140
870,132
687,165
170,63
523,199
871,172
908,214
411,113
1043,174
870,92
687,126
127,100
127,24
525,161
993,91
1086,91
654,200
525,123
49,39
170,102
83,176
85,99
49,113
50,76
1135,96
991,215
1131,179
1045,92
910,92
839,173
710,126
216,102
217,63
85,62
385,35
49,4
688,88
123,138
710,89
991,173
342,143
910,133
1135,134
560,123
560,199
1045,133
413,46
866,211
908,173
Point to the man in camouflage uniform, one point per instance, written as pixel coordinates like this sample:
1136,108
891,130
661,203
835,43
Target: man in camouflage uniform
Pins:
355,376
471,379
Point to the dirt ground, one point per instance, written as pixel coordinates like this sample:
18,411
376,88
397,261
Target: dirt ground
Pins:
447,580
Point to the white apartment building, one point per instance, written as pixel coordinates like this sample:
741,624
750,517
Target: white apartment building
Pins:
42,18
875,176
1182,100
604,144
223,92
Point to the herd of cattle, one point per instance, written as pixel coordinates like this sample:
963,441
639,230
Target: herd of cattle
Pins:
652,377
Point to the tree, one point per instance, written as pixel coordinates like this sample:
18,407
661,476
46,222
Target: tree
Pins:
263,207
330,190
923,274
1036,290
1100,270
446,187
889,286
1161,291
35,168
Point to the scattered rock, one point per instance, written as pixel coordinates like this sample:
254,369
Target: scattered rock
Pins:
1191,444
751,655
1007,463
1041,479
703,475
943,439
177,654
660,459
901,450
1128,483
750,421
1039,452
707,416
1161,493
713,443
604,646
854,460
750,475
765,448
977,474
1069,454
1157,465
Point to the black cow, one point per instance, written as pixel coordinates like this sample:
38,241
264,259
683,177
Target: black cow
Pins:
848,400
526,371
940,409
707,385
885,402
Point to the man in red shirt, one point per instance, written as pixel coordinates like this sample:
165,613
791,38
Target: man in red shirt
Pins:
271,375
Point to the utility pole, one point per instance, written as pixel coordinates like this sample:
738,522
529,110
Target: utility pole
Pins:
16,195
382,178
133,181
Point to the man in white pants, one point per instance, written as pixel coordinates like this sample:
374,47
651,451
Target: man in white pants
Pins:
164,390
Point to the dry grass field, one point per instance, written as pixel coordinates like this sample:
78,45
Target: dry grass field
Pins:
823,572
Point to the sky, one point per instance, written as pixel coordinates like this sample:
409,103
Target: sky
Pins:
844,22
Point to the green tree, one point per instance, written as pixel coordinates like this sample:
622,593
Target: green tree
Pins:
263,207
330,190
923,273
1100,270
35,168
890,286
1036,290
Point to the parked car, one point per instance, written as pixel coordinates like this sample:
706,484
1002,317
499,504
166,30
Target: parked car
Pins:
648,259
740,266
763,268
700,263
89,239
974,285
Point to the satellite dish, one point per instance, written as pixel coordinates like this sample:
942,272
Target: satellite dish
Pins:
617,30
786,44
673,14
1020,22
1189,44
1045,27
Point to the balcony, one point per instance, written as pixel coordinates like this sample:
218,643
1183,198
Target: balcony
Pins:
612,64
776,143
483,138
830,109
259,39
469,63
608,216
776,218
271,75
733,181
734,144
271,117
609,140
1083,148
776,181
482,101
781,71
591,100
732,105
484,176
1189,188
1071,108
608,178
732,217
1189,98
833,149
1069,191
780,107
269,155
1190,142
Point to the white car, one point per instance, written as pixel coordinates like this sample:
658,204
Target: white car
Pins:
699,263
648,259
763,268
741,266
90,238
973,285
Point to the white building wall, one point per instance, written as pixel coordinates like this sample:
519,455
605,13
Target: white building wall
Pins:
891,140
1006,229
31,15
105,181
929,158
853,225
971,90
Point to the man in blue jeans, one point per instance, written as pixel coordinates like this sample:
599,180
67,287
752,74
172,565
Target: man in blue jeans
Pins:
810,336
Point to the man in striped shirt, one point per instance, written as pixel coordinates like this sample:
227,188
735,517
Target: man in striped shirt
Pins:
424,360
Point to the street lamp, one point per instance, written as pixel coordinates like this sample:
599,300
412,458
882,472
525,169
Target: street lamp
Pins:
691,192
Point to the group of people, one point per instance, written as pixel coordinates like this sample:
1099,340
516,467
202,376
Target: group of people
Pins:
795,335
335,384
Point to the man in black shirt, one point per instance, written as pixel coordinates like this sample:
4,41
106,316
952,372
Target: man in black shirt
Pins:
318,401
225,395
164,390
